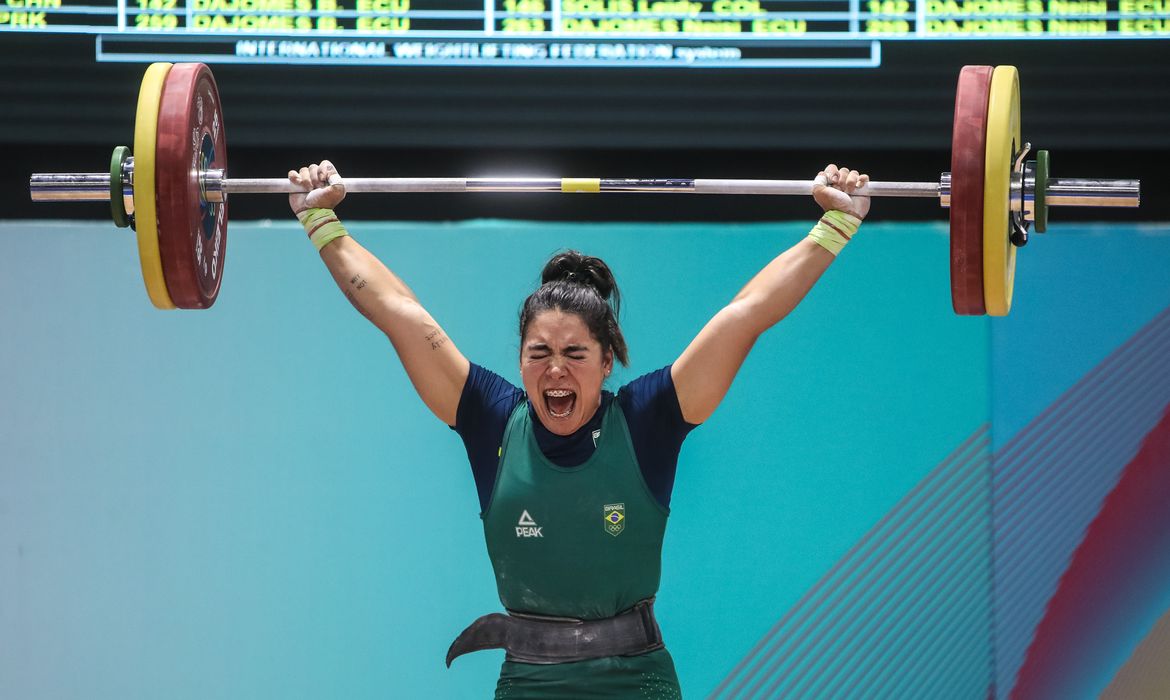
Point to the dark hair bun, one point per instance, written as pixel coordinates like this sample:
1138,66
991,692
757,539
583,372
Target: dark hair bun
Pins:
573,267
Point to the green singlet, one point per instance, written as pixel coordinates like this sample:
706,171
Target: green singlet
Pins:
582,542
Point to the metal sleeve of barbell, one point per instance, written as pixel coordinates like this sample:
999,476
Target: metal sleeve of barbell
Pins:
69,187
1085,192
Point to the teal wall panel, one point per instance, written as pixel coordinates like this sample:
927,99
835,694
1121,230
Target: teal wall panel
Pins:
252,502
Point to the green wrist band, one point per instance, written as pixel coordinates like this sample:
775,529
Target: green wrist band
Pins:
322,225
834,230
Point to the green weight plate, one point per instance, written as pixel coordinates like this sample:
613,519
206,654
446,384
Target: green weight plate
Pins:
1040,195
117,204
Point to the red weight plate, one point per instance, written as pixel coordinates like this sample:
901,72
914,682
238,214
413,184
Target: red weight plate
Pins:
192,233
968,139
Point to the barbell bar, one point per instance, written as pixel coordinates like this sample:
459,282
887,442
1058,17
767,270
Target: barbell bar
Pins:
1061,192
179,180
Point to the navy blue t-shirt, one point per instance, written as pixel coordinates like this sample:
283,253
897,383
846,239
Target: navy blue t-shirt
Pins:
649,403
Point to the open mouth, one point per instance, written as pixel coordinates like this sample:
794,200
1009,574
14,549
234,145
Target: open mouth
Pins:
560,402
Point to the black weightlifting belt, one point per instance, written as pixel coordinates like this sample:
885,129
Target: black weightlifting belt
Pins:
536,639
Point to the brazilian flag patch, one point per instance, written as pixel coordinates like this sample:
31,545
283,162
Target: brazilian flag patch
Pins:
614,515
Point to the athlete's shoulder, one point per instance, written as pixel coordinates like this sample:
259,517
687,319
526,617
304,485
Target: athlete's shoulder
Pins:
646,389
494,391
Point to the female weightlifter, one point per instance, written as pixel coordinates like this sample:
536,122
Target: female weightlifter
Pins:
574,482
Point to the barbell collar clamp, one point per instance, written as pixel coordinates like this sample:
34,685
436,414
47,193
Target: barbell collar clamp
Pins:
128,185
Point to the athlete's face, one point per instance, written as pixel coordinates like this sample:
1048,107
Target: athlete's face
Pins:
562,367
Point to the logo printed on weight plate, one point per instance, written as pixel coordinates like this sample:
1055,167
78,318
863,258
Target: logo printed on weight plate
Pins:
527,527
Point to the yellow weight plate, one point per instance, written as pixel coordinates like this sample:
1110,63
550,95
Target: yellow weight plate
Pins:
1003,140
145,214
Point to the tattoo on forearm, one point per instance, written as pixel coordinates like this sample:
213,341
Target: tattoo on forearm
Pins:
437,338
357,282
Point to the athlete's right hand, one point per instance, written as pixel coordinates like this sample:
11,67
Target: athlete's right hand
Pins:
834,190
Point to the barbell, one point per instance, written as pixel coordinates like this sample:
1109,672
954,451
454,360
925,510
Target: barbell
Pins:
174,190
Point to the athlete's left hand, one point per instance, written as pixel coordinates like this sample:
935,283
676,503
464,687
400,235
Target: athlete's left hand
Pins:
323,186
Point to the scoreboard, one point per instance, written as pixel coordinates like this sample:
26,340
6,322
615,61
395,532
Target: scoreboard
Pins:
642,33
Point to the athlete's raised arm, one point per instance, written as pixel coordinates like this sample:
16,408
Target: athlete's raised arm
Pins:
704,372
435,366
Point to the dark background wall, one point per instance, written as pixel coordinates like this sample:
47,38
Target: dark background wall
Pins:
1102,108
